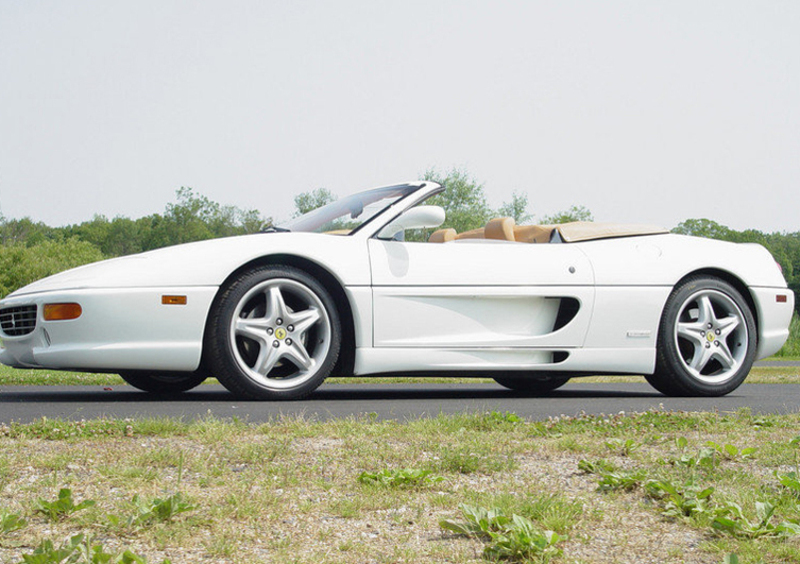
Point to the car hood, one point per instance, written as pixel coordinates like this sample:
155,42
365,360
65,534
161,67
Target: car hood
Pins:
204,263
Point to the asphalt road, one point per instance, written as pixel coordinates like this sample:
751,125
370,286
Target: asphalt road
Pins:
387,401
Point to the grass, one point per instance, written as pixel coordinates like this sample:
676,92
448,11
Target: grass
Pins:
674,487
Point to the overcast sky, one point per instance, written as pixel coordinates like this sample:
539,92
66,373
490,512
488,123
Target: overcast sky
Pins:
640,110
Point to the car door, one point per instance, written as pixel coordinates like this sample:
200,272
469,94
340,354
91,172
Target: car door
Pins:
479,294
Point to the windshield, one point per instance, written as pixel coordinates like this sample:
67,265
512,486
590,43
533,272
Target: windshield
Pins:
344,216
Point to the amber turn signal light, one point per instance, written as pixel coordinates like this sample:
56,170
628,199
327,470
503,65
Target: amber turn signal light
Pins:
173,300
62,312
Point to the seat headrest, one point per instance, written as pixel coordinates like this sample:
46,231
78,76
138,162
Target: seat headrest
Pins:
501,228
442,236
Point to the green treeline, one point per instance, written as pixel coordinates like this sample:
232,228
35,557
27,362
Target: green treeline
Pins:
31,250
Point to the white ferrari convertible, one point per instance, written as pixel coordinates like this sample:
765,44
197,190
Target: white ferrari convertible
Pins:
344,290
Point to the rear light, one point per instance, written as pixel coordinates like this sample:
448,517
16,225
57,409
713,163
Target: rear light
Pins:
62,312
781,298
779,266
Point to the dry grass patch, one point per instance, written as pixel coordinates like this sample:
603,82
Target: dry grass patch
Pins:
289,491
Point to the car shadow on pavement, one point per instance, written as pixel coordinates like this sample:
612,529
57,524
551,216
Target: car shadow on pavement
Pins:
335,392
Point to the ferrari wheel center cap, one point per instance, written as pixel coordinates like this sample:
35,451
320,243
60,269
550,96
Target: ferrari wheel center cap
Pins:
280,333
710,337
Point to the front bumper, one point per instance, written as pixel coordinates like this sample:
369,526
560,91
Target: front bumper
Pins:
119,329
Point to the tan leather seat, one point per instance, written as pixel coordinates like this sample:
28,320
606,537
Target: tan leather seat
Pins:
442,236
500,228
533,233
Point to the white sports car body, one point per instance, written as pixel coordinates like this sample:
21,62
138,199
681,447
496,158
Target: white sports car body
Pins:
343,291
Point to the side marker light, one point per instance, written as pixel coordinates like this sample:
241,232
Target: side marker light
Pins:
781,298
62,312
173,300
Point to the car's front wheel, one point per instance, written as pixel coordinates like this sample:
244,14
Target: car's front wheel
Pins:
706,340
539,383
163,382
274,334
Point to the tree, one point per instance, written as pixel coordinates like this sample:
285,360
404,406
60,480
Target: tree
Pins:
25,231
463,199
516,208
574,213
704,228
308,201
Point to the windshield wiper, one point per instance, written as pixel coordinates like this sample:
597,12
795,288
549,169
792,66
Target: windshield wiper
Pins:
275,229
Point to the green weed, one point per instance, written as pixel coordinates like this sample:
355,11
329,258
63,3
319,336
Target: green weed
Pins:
465,460
624,448
705,458
731,452
610,478
731,520
514,538
79,549
507,417
62,507
790,481
401,477
152,511
686,500
552,511
10,522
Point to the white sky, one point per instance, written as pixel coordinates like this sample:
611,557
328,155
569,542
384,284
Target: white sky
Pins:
641,111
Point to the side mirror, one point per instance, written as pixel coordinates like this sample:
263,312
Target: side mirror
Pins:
415,218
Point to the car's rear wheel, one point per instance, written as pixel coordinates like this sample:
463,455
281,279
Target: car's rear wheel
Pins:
274,334
537,383
163,382
706,340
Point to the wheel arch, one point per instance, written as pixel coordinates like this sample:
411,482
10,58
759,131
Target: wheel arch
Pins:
346,361
734,281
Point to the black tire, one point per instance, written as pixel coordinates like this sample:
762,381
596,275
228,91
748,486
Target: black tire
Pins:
706,340
538,383
163,382
274,334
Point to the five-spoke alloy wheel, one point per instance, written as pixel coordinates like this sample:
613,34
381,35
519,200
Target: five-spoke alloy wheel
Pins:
274,334
707,340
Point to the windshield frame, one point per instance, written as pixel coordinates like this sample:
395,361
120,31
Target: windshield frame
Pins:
311,221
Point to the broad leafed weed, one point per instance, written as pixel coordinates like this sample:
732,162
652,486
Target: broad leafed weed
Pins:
10,522
732,452
680,500
623,448
612,479
148,512
79,549
62,507
509,537
732,520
